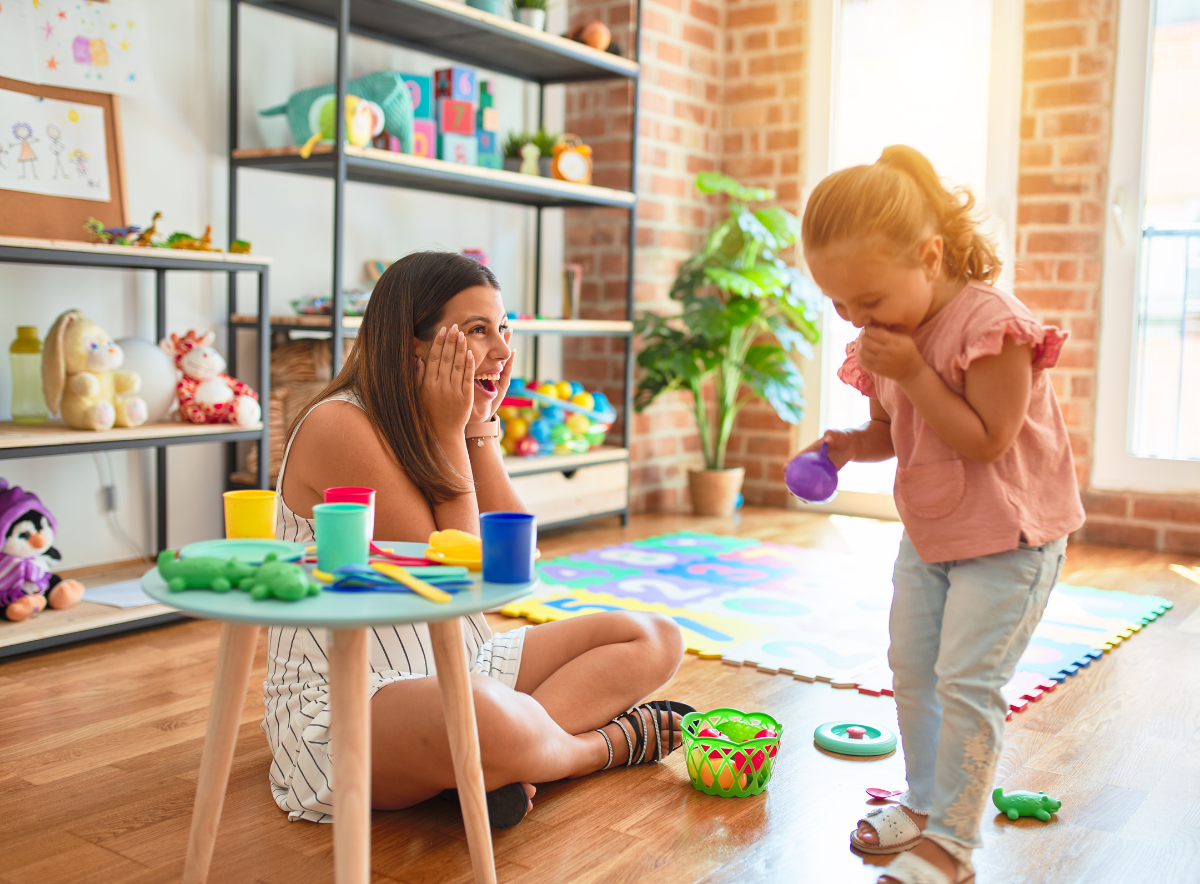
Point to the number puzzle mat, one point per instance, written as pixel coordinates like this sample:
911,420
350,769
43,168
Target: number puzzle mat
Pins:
816,615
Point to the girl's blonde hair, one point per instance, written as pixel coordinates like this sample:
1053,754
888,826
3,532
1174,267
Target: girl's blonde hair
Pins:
900,199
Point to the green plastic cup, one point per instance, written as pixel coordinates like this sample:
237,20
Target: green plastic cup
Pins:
341,530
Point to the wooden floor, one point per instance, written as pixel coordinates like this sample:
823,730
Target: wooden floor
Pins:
100,744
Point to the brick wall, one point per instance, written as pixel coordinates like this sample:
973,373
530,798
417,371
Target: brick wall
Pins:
680,119
1066,123
761,142
721,88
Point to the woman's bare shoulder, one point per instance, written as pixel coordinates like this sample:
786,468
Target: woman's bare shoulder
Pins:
337,445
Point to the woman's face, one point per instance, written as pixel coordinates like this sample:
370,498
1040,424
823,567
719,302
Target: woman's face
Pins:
479,314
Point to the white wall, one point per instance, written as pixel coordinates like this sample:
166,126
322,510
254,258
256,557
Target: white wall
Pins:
175,148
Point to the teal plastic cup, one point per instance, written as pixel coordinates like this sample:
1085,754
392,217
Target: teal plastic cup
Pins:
341,530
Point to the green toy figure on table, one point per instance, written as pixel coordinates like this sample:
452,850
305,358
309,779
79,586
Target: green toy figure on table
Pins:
203,572
281,580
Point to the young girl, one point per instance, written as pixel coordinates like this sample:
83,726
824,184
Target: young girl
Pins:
985,483
412,415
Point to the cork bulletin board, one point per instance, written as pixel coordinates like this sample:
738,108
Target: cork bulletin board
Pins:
48,216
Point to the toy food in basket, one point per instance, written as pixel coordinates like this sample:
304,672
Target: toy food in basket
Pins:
730,753
553,418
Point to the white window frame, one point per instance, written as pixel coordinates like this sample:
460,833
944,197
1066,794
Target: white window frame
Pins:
999,204
1113,467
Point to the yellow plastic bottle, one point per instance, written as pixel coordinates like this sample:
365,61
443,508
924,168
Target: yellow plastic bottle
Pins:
25,354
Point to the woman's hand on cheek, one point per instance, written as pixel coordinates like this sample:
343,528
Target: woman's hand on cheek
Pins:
889,353
446,379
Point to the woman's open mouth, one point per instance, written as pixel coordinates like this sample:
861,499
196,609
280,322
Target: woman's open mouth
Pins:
486,384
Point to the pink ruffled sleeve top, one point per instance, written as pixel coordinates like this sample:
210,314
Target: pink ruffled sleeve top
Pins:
954,508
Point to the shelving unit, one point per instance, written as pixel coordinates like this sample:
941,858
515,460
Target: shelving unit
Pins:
462,34
54,438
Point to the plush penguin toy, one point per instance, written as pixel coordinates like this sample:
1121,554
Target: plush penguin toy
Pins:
26,556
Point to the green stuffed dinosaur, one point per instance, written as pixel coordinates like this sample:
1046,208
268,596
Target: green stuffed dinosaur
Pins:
385,88
281,580
1023,803
203,572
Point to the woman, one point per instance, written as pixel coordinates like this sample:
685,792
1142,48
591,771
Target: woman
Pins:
408,416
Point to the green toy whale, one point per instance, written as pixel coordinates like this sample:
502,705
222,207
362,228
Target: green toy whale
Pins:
1022,803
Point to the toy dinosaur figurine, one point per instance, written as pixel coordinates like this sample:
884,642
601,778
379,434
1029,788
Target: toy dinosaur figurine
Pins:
1022,803
202,572
146,237
112,236
281,580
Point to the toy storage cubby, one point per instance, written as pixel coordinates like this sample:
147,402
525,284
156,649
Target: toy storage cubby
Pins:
557,488
54,438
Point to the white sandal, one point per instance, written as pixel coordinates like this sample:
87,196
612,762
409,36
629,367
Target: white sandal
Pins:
895,828
908,868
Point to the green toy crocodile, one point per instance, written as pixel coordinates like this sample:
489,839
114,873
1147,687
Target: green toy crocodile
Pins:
203,572
1022,803
281,580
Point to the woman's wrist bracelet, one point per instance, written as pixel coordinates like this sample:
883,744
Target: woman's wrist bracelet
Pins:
480,430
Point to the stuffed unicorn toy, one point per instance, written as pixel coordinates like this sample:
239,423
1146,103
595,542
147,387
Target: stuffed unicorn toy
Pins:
206,394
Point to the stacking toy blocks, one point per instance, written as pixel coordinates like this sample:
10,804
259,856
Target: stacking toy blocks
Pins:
424,143
457,83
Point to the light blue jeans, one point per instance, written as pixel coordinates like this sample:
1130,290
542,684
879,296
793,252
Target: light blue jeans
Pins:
958,629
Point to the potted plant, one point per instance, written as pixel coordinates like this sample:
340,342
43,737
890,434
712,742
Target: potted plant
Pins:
744,311
532,13
541,139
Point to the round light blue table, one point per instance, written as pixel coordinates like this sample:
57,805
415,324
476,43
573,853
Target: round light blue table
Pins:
347,615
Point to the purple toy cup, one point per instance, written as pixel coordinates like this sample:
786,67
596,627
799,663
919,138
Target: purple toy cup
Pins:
811,476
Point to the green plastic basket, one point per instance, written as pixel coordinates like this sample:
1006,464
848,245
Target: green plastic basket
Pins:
726,768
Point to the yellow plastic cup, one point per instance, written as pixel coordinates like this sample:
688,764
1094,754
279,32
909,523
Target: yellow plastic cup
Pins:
250,513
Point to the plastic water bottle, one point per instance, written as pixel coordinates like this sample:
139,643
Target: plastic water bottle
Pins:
25,354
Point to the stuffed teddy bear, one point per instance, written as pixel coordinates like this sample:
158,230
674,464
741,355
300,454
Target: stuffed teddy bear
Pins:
26,584
206,394
80,377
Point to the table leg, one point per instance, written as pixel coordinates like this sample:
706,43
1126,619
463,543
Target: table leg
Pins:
234,659
350,714
454,684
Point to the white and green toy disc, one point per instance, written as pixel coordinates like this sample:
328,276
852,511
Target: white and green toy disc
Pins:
852,738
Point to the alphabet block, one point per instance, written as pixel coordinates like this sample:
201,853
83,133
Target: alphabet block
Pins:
455,117
456,82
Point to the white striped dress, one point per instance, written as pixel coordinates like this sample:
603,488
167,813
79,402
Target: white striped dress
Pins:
296,689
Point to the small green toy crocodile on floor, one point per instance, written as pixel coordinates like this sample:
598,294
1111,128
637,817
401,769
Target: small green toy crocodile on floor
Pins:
203,572
1022,803
281,580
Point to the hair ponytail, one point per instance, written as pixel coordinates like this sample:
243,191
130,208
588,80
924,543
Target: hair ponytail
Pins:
901,199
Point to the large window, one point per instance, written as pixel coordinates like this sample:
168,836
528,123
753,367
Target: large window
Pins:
1148,432
943,77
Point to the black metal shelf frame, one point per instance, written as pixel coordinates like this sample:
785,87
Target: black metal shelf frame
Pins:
459,34
162,263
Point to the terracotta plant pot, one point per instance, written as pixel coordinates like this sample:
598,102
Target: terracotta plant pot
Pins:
714,492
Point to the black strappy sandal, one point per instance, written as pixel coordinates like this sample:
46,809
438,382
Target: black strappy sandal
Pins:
639,744
506,806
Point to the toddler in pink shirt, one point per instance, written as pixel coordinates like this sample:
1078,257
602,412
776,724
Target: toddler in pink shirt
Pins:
985,482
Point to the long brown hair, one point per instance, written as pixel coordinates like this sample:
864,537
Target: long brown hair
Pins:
901,199
408,302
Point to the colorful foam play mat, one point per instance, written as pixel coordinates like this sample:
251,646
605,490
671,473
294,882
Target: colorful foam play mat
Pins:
817,615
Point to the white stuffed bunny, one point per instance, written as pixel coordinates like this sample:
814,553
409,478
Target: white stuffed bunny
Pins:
206,394
79,375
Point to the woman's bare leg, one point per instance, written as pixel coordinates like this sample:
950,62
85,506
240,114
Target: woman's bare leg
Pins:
584,675
587,670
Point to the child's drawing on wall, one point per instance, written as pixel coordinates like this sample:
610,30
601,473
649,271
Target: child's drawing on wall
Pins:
79,159
40,133
23,132
56,148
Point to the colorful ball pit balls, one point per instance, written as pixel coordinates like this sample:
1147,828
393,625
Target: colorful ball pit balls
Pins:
516,428
540,430
584,400
565,390
526,446
579,424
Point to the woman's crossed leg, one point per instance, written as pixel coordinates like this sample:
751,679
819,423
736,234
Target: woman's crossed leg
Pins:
576,675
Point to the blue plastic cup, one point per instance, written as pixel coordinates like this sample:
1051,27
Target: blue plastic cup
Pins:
509,540
341,530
